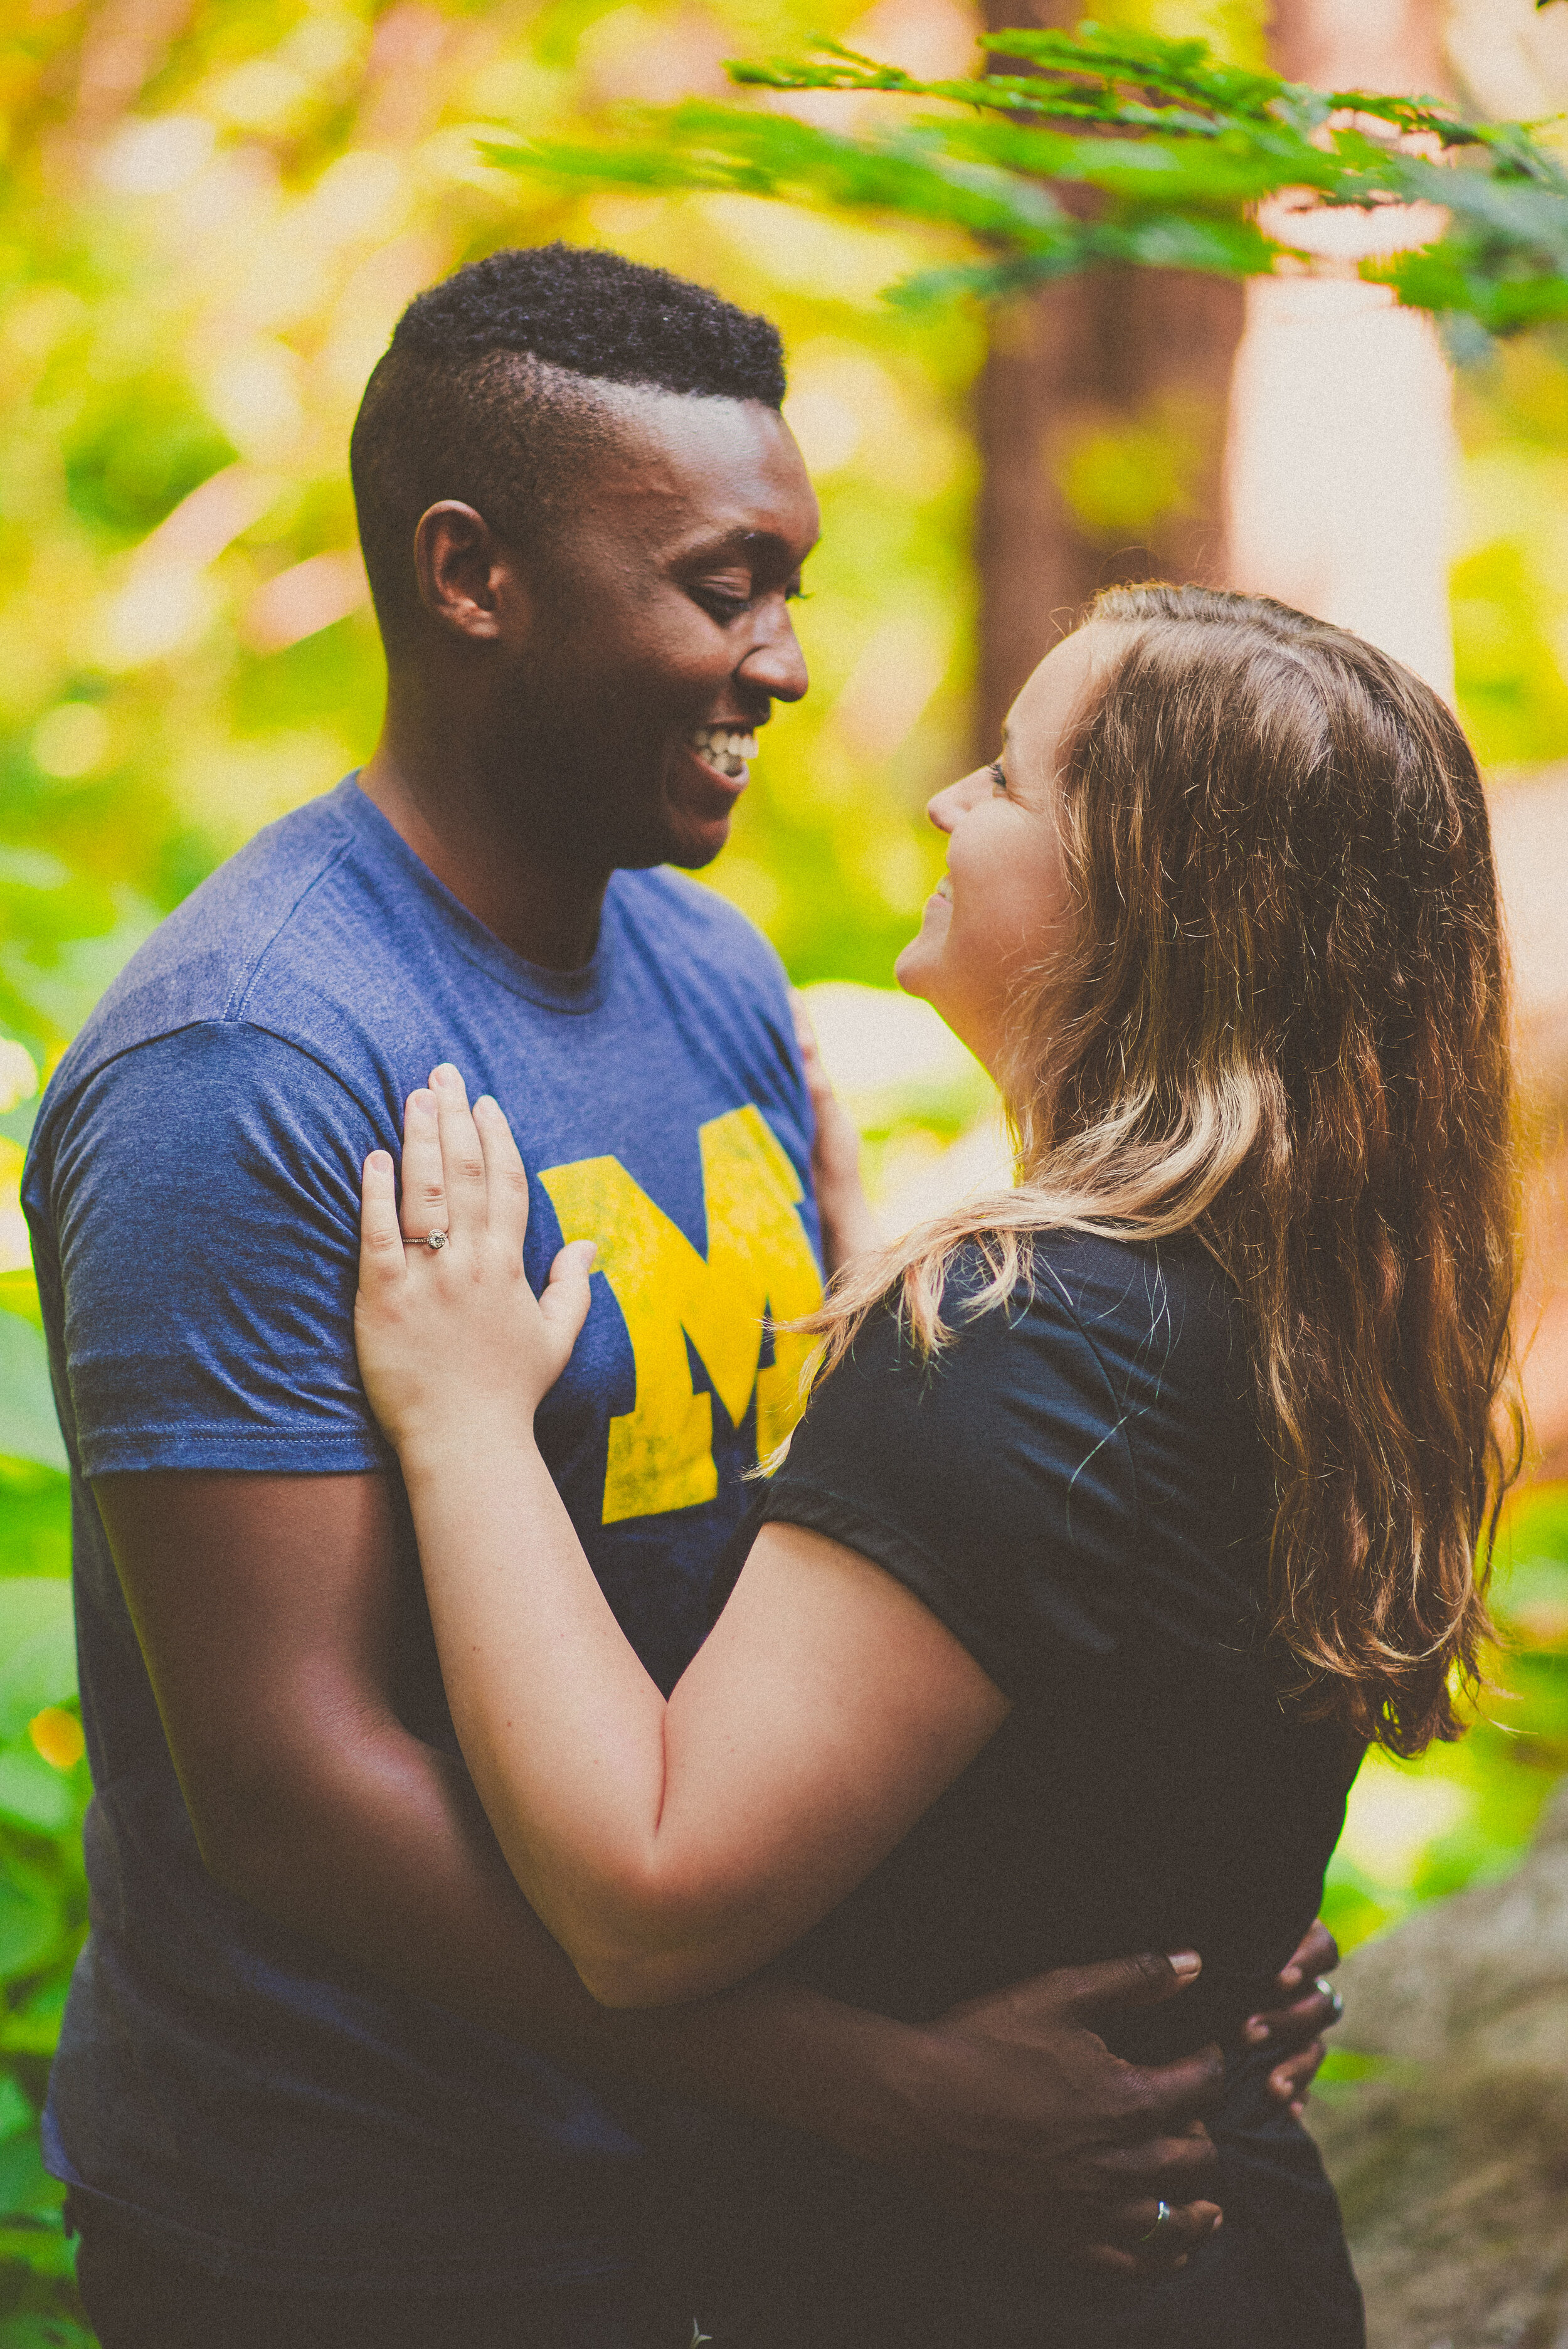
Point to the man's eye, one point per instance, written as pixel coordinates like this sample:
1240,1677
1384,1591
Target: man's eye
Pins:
722,604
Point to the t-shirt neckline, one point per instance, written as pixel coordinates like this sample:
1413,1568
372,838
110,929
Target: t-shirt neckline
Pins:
554,991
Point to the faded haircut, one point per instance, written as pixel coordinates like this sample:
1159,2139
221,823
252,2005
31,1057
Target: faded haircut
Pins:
486,393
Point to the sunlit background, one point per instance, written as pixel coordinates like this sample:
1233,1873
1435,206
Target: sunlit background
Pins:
212,215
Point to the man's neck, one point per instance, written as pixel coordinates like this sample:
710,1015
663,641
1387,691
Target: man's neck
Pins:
544,911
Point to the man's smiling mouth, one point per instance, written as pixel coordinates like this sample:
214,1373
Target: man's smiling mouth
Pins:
728,749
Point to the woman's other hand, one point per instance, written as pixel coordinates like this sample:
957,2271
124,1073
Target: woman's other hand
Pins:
1309,2006
451,1338
849,1228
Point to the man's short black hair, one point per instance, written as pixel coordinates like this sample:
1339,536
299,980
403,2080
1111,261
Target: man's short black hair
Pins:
485,391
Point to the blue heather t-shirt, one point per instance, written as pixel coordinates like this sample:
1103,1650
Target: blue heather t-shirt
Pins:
192,1191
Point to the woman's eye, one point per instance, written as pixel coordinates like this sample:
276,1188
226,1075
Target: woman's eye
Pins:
997,777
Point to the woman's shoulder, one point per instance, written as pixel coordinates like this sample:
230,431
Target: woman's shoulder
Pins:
1023,1385
1040,1476
1152,1308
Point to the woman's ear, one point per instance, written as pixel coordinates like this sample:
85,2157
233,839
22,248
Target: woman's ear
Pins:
468,582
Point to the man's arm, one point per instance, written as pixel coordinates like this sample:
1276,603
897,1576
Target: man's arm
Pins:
267,1609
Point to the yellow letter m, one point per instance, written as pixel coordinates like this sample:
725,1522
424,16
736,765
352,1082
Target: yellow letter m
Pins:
759,1264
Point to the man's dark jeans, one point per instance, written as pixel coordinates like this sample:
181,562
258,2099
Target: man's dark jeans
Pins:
138,2296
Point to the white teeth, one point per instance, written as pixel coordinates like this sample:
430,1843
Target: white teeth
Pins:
725,747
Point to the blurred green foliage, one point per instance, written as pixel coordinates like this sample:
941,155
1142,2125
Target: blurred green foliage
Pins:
1178,147
44,1793
210,219
1510,578
1463,1813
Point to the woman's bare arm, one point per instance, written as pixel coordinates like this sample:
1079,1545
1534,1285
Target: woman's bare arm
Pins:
672,1849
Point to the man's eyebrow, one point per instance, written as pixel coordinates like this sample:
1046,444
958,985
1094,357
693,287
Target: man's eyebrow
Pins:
763,543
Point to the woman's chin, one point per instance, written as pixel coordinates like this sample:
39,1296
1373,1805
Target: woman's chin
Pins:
911,969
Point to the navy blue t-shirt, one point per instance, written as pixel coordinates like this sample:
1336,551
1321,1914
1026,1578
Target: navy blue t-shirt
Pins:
192,1191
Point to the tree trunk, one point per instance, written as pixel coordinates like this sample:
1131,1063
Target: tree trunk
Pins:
1101,416
1340,455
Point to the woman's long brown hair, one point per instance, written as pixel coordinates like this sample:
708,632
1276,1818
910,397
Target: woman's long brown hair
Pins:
1283,1026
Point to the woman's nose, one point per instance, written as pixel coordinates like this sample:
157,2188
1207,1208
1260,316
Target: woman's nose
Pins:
945,806
941,810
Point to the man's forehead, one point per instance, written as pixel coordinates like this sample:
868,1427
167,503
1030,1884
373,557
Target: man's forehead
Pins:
714,469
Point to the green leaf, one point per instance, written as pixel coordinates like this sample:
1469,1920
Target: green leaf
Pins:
1174,151
16,2111
33,2027
30,1924
34,1795
699,145
26,2184
34,1520
43,2251
28,1427
66,947
37,1650
138,450
20,1294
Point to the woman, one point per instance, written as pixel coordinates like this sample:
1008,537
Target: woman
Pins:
1129,1507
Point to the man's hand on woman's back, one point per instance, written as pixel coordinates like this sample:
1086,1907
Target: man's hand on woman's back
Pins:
1074,2146
1065,2142
1309,2006
269,1608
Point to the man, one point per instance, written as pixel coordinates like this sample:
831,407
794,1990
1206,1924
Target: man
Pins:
323,2077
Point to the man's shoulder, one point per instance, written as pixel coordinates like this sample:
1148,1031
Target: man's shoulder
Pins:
203,958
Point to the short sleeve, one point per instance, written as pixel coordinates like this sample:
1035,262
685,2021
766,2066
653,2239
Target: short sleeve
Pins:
201,1208
994,1480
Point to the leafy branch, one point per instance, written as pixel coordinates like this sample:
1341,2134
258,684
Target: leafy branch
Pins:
1100,149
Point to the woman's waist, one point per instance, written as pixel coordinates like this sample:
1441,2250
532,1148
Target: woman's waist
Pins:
765,2216
1213,2010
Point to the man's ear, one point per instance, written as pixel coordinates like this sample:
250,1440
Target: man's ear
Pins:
468,582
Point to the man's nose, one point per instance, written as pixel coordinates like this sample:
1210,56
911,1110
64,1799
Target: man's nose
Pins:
776,663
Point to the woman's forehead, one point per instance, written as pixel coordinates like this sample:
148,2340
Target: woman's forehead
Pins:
1057,690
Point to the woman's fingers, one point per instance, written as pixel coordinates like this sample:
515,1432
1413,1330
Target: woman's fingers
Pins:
1318,2010
1144,2242
568,1294
471,1184
462,1159
1319,1953
816,1083
1290,2082
506,1180
381,1260
424,1188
